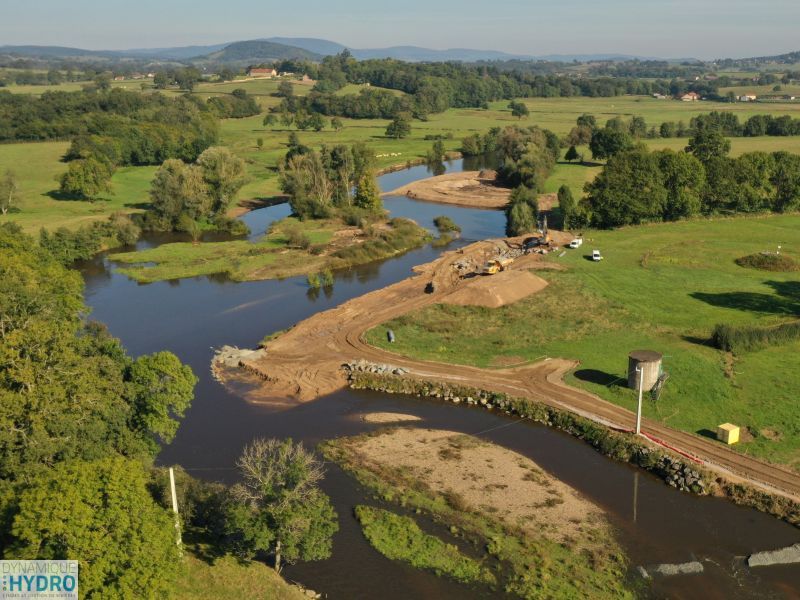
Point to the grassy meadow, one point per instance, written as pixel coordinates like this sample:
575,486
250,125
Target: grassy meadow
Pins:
661,287
38,164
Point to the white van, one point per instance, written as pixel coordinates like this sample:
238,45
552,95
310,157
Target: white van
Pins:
576,243
596,256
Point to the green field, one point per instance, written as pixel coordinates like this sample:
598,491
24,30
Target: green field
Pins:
37,164
661,287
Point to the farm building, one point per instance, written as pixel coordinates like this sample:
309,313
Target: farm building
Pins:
747,98
689,97
261,72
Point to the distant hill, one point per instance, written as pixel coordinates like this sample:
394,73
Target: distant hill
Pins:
258,51
177,53
58,52
315,45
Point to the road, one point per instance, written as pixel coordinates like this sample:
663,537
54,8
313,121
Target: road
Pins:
306,362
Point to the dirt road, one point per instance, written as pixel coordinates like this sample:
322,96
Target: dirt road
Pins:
305,363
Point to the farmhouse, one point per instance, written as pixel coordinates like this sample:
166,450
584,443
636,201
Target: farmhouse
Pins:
747,98
261,72
689,97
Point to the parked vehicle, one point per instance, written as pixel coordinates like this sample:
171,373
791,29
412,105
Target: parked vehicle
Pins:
596,256
576,243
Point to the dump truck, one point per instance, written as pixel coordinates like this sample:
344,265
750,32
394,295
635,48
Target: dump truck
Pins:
496,265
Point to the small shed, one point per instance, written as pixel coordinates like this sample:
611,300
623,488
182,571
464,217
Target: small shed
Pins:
645,364
728,433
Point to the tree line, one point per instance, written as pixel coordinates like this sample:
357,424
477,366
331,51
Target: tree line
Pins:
339,180
638,186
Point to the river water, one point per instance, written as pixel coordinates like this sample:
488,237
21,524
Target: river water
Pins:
191,317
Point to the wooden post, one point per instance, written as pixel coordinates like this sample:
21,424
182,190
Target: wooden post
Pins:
175,509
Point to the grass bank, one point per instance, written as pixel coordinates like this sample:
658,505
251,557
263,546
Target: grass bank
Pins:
290,248
227,578
662,287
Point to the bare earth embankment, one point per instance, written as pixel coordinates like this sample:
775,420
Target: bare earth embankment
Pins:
473,189
488,478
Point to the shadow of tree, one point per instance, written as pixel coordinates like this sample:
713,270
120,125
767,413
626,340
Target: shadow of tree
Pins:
785,301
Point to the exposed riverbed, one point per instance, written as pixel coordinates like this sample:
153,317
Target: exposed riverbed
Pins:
192,317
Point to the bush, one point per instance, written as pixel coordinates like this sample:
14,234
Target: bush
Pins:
767,261
444,224
743,339
296,238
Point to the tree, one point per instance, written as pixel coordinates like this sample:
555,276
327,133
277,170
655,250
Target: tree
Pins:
572,154
368,194
400,127
628,191
285,89
316,122
566,206
281,507
160,386
336,124
608,142
161,80
586,120
519,109
101,514
667,130
521,219
638,127
270,120
708,143
9,192
224,173
177,189
187,78
86,178
684,178
260,143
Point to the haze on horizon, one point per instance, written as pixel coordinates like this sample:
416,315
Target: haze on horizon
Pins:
704,29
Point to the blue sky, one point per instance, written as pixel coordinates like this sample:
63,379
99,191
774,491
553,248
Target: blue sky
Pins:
667,28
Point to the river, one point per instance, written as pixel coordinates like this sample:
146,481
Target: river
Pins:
191,317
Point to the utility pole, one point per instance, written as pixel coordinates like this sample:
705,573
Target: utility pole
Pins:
640,371
175,508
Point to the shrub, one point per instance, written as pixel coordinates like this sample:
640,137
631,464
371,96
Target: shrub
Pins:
444,223
296,238
747,338
767,261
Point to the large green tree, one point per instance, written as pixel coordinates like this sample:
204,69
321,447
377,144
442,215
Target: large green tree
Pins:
628,191
101,514
280,506
609,142
178,189
86,178
708,143
224,174
399,127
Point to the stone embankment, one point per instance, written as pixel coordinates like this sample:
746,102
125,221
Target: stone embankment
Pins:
674,470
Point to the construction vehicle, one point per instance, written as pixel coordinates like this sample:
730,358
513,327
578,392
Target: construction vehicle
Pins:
496,265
